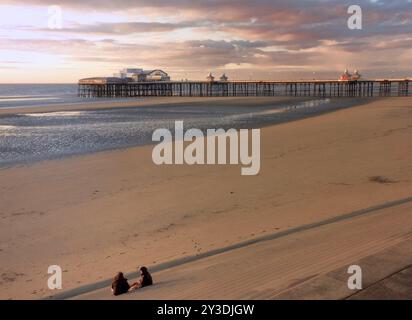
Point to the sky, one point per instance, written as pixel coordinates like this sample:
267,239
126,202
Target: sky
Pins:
52,41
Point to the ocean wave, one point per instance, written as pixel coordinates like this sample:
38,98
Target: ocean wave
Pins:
54,114
6,127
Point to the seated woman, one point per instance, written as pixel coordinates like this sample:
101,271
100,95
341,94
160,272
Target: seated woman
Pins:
144,280
120,284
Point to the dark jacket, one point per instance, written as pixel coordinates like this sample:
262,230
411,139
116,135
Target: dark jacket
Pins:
120,286
146,280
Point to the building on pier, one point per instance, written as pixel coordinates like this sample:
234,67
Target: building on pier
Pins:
104,80
156,75
140,75
356,75
224,78
127,73
346,76
210,78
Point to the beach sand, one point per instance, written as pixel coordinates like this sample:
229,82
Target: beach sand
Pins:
97,214
307,264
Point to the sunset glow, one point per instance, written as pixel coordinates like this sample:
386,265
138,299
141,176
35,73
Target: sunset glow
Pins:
266,40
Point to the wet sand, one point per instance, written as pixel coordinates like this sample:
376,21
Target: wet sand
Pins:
152,101
97,214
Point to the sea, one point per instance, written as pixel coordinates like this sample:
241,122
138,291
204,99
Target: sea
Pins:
35,95
29,137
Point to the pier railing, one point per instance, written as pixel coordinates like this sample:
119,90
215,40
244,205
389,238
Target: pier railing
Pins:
314,88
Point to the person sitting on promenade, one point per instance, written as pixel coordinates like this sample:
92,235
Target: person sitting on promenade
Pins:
120,284
145,279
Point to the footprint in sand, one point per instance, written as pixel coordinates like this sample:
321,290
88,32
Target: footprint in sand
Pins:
10,276
382,179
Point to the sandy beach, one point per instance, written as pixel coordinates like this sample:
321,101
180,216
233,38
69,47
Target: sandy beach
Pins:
100,213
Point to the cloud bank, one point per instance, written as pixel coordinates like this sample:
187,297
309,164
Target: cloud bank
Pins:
263,39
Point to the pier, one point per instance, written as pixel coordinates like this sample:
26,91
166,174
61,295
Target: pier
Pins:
120,88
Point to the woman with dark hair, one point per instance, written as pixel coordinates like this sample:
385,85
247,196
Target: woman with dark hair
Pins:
120,284
144,280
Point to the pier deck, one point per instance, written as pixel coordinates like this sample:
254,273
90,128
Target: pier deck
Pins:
110,88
